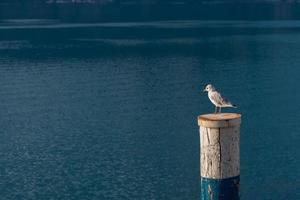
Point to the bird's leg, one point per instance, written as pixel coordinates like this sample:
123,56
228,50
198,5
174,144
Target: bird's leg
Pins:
220,110
216,109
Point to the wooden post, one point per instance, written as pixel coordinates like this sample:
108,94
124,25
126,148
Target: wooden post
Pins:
220,156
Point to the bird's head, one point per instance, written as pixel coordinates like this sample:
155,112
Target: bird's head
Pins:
208,88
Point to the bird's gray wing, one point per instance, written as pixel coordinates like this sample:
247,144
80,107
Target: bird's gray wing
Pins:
221,100
216,97
225,101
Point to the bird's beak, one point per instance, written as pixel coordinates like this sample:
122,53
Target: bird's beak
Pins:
204,90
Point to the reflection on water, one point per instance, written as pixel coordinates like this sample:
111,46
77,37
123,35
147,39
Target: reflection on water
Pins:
115,118
48,23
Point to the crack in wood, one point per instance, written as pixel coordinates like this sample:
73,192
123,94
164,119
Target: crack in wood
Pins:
210,192
220,159
207,135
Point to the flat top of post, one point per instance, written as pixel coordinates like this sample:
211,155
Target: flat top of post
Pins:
219,116
218,120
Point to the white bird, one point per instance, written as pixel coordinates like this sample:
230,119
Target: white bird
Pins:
216,98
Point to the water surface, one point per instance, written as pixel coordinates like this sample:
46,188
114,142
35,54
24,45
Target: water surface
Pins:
108,111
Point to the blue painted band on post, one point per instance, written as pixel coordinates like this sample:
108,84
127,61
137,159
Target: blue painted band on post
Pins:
220,189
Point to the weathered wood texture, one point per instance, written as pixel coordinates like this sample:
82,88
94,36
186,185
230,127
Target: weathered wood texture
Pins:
219,142
220,155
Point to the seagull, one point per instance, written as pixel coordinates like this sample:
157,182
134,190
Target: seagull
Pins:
216,98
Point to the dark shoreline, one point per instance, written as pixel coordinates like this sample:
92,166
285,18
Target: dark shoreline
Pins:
151,12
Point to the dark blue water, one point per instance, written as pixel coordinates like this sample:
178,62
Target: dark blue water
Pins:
108,111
